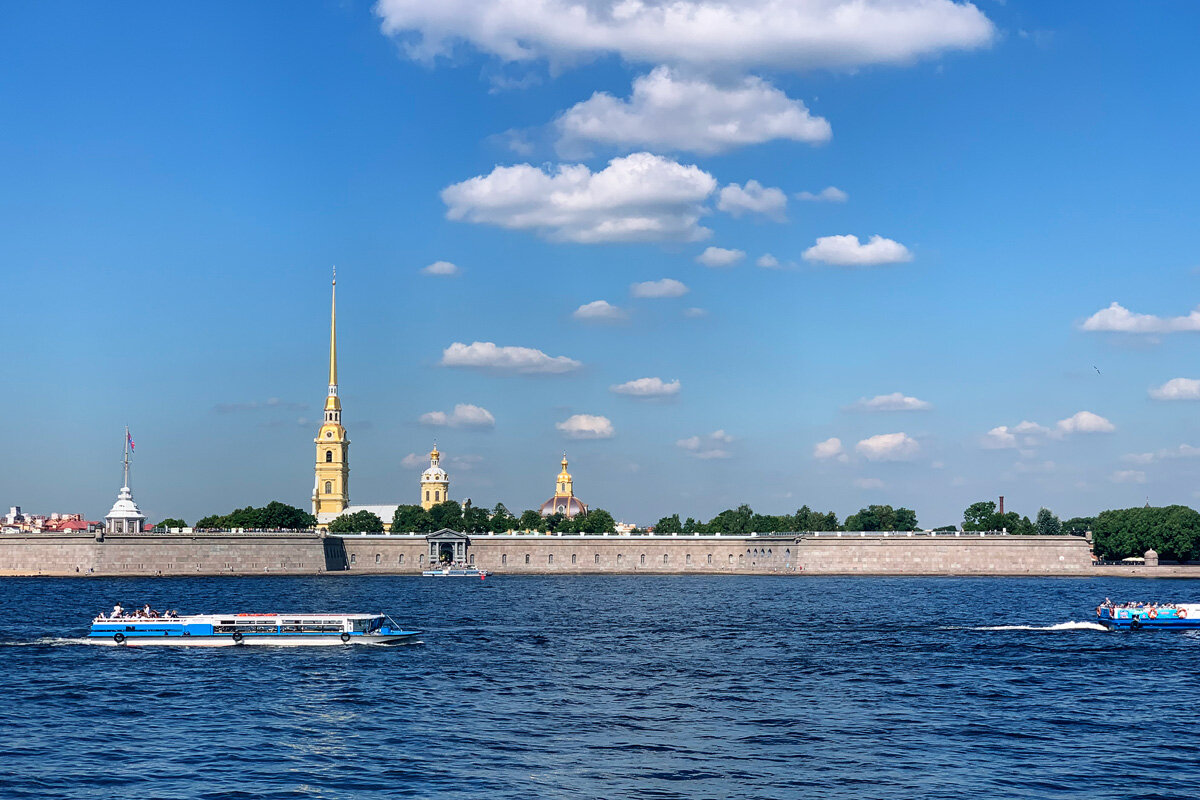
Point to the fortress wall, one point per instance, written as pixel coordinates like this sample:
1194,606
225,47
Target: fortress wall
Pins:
310,554
946,555
165,554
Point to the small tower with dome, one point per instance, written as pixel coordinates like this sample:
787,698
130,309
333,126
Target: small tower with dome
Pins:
564,501
125,516
435,483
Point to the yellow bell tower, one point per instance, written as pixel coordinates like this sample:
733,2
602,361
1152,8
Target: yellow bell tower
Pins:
331,490
435,482
564,486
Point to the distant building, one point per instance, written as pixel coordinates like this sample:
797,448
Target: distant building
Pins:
435,483
125,516
564,501
17,522
331,485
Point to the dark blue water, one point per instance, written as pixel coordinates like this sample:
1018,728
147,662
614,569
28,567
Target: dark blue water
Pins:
609,687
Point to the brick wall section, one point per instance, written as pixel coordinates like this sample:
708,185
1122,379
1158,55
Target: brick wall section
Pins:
309,554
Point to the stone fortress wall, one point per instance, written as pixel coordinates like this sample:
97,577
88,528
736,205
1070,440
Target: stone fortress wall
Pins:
312,554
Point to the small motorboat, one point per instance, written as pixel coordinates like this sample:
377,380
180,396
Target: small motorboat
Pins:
456,571
231,630
1149,616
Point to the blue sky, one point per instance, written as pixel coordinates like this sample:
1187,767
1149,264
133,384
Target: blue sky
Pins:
176,182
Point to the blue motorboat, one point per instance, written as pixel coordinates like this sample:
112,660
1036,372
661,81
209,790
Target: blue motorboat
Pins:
229,630
1148,616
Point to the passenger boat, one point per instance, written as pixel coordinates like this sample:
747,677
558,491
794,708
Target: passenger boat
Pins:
1149,616
218,630
456,572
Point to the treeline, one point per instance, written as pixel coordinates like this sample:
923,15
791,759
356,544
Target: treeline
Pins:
1171,531
743,520
273,516
471,519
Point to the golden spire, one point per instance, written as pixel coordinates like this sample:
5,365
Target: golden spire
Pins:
434,455
332,402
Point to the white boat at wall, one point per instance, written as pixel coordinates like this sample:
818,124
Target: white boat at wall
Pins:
232,630
449,571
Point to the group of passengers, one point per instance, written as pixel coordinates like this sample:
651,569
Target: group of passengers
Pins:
119,612
1110,605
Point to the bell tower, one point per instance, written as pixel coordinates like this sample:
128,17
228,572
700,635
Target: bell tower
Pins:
331,489
435,482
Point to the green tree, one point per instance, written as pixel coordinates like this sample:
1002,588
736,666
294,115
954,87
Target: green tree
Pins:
1078,526
447,514
358,522
1172,531
1047,524
531,521
501,520
805,519
693,528
475,520
598,521
172,522
905,520
553,522
411,519
732,521
280,515
979,516
882,518
210,522
668,525
946,528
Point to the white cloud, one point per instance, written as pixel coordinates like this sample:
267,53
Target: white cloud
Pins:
846,251
1182,451
892,402
414,460
1177,389
671,111
753,198
830,194
464,415
767,261
830,448
599,310
586,426
1030,428
868,483
707,447
667,287
1085,422
444,268
888,447
720,257
999,438
695,313
523,360
647,387
636,198
1116,318
751,34
1128,476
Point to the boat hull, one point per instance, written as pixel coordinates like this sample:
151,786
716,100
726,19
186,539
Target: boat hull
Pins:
250,640
1156,618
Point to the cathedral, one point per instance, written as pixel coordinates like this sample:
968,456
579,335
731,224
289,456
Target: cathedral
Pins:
331,483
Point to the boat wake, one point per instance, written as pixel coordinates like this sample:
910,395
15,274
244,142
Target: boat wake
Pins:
1062,626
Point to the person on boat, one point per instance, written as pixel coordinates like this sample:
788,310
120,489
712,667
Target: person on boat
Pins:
118,610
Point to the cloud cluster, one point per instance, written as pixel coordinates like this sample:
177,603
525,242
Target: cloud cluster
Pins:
520,360
464,415
753,198
647,387
586,426
636,198
888,447
717,34
666,287
1030,434
599,310
1166,454
441,268
830,194
1177,389
1118,319
1085,422
847,251
670,111
720,257
892,402
707,447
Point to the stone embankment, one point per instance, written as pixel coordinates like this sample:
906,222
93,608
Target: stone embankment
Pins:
311,554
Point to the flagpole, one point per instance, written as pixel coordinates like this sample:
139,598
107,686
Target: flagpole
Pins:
126,456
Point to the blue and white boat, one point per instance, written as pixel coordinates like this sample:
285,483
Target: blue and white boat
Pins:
455,572
1148,616
231,630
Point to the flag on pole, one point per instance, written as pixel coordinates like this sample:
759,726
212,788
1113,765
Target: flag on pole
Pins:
129,436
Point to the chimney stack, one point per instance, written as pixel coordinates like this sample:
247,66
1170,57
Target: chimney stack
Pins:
1002,505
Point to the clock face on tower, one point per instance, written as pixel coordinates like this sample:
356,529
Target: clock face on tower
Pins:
328,434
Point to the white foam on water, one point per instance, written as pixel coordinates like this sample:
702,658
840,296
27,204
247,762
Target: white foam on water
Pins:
1062,626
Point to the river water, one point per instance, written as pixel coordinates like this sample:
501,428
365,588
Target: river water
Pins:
609,687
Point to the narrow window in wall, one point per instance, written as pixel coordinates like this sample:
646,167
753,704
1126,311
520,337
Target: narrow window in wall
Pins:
437,496
471,560
643,558
550,559
689,558
328,456
572,559
665,557
597,558
731,558
620,557
710,558
401,558
328,487
421,559
426,495
527,558
378,558
504,559
353,558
